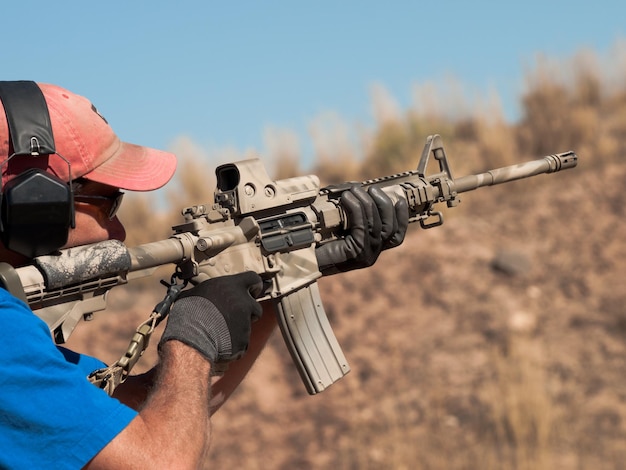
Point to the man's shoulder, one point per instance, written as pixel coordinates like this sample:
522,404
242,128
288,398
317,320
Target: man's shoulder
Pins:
17,317
8,300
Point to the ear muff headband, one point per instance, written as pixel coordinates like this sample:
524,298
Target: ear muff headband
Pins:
36,208
28,118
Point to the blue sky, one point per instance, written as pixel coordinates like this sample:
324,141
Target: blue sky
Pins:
222,72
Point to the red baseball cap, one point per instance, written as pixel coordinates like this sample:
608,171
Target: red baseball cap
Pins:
84,138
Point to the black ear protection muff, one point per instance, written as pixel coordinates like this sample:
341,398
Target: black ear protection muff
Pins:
36,207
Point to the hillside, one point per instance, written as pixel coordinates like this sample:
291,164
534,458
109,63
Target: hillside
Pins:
496,341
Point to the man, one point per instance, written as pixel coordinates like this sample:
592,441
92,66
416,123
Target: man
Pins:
50,415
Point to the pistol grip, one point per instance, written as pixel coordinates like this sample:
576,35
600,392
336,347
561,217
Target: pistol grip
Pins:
310,339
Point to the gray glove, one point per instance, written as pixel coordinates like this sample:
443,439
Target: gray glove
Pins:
215,317
375,224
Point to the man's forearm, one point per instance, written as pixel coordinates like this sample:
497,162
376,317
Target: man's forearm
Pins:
135,390
225,385
181,397
172,428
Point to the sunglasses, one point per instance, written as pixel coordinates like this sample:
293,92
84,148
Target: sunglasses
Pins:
108,204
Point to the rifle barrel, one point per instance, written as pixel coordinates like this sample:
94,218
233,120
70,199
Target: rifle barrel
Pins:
549,164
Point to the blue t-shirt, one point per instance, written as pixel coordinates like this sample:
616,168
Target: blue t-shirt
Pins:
50,415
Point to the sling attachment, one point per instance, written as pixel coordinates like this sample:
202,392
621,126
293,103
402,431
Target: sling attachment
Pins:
110,377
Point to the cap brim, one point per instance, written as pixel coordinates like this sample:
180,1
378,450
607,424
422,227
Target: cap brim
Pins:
135,168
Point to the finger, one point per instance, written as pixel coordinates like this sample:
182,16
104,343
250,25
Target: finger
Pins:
373,223
357,218
257,312
402,223
253,282
386,212
256,288
250,281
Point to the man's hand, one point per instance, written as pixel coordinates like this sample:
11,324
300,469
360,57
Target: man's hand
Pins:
215,316
375,224
172,429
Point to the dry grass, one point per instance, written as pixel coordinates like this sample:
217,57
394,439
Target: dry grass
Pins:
493,342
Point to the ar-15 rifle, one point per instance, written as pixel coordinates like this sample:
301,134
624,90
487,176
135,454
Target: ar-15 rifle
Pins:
256,224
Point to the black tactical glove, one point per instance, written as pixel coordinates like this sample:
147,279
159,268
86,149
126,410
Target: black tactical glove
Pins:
375,224
215,316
